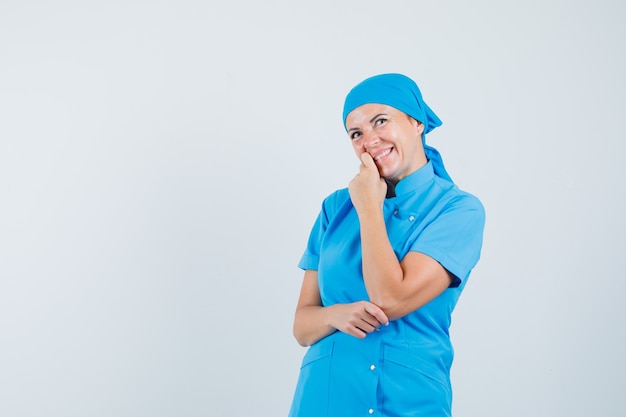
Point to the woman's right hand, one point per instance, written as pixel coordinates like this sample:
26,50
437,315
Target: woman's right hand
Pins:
312,321
357,319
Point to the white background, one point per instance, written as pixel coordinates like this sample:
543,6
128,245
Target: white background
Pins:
162,162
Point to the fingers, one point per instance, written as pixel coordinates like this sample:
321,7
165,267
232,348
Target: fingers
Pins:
367,160
377,313
365,327
371,320
358,319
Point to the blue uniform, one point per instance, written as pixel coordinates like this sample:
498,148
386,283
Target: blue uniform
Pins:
404,369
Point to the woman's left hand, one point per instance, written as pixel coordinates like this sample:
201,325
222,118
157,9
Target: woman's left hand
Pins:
367,189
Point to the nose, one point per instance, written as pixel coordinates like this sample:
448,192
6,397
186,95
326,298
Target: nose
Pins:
371,139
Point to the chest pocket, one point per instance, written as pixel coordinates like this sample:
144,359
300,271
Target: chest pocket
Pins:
403,228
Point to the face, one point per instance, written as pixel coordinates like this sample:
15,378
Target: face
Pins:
393,139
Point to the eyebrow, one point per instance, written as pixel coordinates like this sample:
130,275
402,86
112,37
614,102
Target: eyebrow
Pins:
371,120
377,116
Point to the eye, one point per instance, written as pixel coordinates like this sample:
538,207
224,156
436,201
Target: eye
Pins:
355,135
380,121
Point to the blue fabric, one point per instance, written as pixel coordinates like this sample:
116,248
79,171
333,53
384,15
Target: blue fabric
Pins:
402,93
403,369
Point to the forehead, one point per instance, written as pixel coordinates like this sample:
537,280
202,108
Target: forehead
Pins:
364,113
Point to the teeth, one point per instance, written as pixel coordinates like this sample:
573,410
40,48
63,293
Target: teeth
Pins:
380,155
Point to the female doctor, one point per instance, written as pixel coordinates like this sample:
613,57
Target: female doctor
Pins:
385,263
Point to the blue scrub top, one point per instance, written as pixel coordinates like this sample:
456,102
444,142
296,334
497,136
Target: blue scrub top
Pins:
403,369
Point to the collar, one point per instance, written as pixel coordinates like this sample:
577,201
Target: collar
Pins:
412,182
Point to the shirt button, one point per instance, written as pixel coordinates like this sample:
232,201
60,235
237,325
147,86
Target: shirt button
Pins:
395,213
371,411
372,367
411,218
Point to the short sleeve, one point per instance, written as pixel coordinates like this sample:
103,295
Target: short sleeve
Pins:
311,257
454,238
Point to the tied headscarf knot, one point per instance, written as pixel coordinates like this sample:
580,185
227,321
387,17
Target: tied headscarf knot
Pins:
402,93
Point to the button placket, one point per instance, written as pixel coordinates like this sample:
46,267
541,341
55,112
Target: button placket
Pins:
372,368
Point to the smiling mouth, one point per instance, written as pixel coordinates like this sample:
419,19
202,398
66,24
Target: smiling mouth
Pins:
383,154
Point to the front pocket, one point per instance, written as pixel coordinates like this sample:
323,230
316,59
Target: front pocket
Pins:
317,351
410,382
408,359
312,391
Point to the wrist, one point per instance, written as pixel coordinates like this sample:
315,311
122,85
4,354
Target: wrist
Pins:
370,212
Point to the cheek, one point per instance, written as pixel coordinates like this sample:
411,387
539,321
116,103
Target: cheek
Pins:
358,148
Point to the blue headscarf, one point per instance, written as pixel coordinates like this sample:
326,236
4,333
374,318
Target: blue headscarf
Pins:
400,92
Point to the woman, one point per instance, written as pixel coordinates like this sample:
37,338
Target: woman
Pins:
384,267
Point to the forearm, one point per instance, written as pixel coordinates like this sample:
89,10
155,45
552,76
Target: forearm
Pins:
398,288
382,272
311,324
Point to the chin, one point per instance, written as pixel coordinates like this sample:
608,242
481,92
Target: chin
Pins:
387,173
